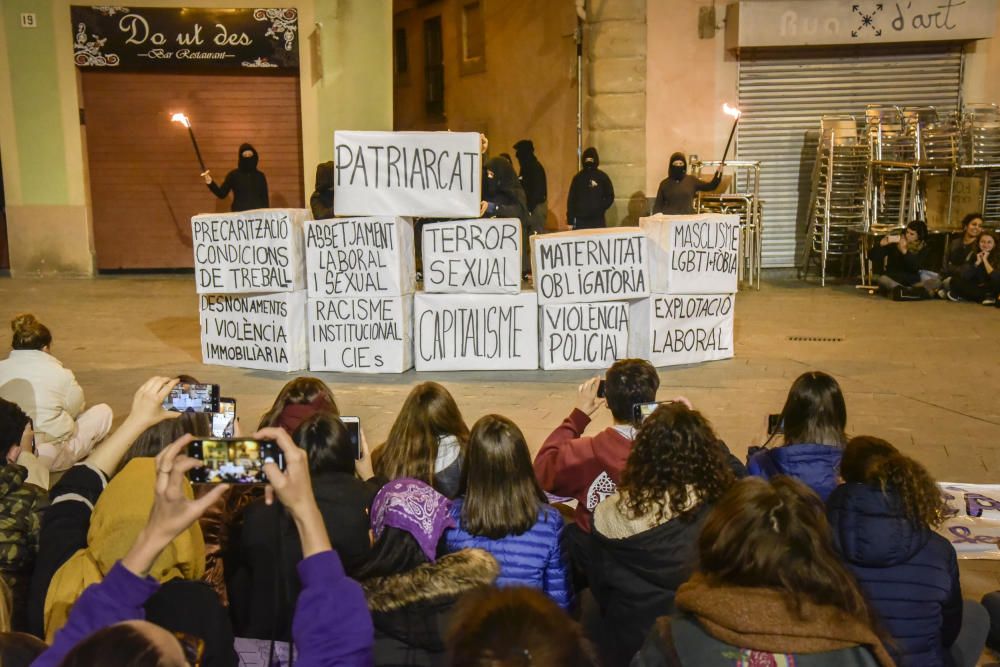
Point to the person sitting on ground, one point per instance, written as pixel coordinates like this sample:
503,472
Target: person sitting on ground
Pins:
902,265
962,247
21,504
297,401
813,421
410,590
769,590
505,512
50,395
591,194
677,191
515,626
331,625
883,519
978,280
426,442
644,535
263,585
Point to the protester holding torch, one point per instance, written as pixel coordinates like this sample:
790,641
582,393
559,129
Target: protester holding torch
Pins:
676,193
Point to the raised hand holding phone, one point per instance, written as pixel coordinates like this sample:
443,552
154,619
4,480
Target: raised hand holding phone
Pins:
587,400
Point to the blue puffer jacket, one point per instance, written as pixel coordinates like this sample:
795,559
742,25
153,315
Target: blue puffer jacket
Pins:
533,558
907,572
814,465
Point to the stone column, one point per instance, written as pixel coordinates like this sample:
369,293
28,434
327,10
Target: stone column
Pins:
615,100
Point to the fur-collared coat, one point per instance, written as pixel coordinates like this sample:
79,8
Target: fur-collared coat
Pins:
411,610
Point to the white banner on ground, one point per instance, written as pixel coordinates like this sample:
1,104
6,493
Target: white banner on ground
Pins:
670,330
249,252
265,331
459,332
973,524
351,257
583,335
693,254
472,256
419,174
590,265
361,335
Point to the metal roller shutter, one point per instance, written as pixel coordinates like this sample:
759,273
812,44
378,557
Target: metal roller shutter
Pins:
783,94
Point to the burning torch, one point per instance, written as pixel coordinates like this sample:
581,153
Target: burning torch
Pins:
183,120
735,113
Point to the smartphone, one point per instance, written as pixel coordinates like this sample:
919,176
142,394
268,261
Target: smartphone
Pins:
892,238
775,424
190,397
353,425
600,389
224,421
642,410
233,460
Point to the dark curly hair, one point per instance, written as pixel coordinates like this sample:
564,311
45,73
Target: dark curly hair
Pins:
675,448
873,461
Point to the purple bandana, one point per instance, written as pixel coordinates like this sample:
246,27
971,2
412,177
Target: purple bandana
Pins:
413,506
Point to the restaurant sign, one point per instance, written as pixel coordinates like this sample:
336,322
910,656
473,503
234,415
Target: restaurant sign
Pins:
761,23
148,38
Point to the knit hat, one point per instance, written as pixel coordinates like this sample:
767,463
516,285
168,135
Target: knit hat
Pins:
413,506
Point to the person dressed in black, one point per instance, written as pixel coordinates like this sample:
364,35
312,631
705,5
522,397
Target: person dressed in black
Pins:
248,185
675,195
590,194
533,181
321,201
503,197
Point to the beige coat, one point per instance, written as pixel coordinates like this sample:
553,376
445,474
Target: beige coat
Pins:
46,391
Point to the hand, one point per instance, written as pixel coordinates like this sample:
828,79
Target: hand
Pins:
147,403
173,509
587,401
902,244
293,486
207,175
363,466
482,208
484,144
884,242
980,258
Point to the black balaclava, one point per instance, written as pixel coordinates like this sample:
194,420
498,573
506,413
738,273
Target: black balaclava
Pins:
498,176
590,158
247,163
524,150
678,172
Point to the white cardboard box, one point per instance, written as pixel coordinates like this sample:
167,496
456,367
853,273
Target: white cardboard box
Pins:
472,256
264,331
583,335
675,329
347,257
361,334
693,254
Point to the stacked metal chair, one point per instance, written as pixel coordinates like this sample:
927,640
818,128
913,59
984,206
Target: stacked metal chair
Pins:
981,154
838,205
891,183
742,198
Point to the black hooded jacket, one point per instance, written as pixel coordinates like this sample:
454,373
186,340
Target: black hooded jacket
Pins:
532,174
675,195
249,186
590,194
321,201
503,191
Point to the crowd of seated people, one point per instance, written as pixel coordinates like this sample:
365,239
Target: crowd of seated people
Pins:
440,546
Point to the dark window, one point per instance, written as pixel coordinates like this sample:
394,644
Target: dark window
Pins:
473,32
433,68
402,58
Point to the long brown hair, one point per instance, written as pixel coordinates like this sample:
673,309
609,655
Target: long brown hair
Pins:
29,333
873,461
675,448
428,414
155,438
502,495
815,411
299,391
775,535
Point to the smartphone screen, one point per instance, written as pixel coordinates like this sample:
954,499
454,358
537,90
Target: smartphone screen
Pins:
224,421
353,425
233,460
600,389
189,397
774,424
642,410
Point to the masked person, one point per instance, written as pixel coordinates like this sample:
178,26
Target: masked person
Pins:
590,194
503,197
249,186
321,201
533,181
675,195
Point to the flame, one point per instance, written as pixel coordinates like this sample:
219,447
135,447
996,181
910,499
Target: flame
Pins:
731,111
180,118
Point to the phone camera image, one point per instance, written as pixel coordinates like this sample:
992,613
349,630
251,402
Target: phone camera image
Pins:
190,397
235,461
353,426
